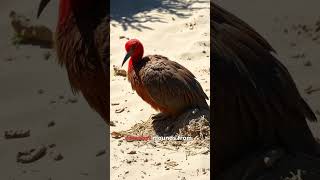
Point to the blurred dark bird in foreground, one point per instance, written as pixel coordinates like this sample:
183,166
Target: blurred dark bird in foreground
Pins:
82,44
256,104
164,84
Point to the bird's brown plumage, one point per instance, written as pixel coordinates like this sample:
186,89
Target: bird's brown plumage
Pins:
166,85
82,44
256,102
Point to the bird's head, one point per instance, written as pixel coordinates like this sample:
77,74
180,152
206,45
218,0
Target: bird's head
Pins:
134,50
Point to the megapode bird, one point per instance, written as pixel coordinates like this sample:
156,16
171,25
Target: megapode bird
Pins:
164,84
82,44
256,102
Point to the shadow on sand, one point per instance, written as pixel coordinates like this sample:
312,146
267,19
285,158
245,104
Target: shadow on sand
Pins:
124,11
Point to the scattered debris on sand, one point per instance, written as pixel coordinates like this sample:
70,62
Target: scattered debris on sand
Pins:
193,124
307,63
51,123
119,72
9,59
120,110
71,100
309,90
294,176
117,135
40,91
26,32
56,156
31,155
115,104
299,56
309,31
191,25
52,145
101,152
15,134
132,152
123,37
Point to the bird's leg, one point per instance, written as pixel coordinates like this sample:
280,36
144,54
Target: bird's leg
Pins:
162,124
261,162
161,117
189,114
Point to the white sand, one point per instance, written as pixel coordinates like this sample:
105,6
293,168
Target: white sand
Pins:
177,41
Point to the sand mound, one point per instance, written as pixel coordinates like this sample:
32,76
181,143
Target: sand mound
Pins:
191,130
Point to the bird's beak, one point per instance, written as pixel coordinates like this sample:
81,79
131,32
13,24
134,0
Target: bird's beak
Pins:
42,6
126,57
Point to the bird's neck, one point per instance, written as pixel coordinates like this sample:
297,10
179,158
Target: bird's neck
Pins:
82,13
135,64
130,66
70,9
65,12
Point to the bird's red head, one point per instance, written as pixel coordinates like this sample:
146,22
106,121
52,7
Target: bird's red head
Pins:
134,50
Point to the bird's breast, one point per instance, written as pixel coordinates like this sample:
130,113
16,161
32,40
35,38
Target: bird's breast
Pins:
137,85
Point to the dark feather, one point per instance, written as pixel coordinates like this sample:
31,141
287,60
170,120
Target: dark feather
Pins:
82,45
166,85
256,102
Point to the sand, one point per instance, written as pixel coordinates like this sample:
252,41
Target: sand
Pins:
182,35
34,92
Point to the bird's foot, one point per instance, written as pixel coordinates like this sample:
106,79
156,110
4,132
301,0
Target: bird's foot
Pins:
162,124
257,164
189,114
272,157
160,117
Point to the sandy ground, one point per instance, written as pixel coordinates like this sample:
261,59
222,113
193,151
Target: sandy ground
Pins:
35,92
181,35
282,25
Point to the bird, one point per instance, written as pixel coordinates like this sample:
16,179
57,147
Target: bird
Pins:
82,45
256,104
164,84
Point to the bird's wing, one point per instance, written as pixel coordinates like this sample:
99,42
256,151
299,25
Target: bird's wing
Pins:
255,100
171,85
102,40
